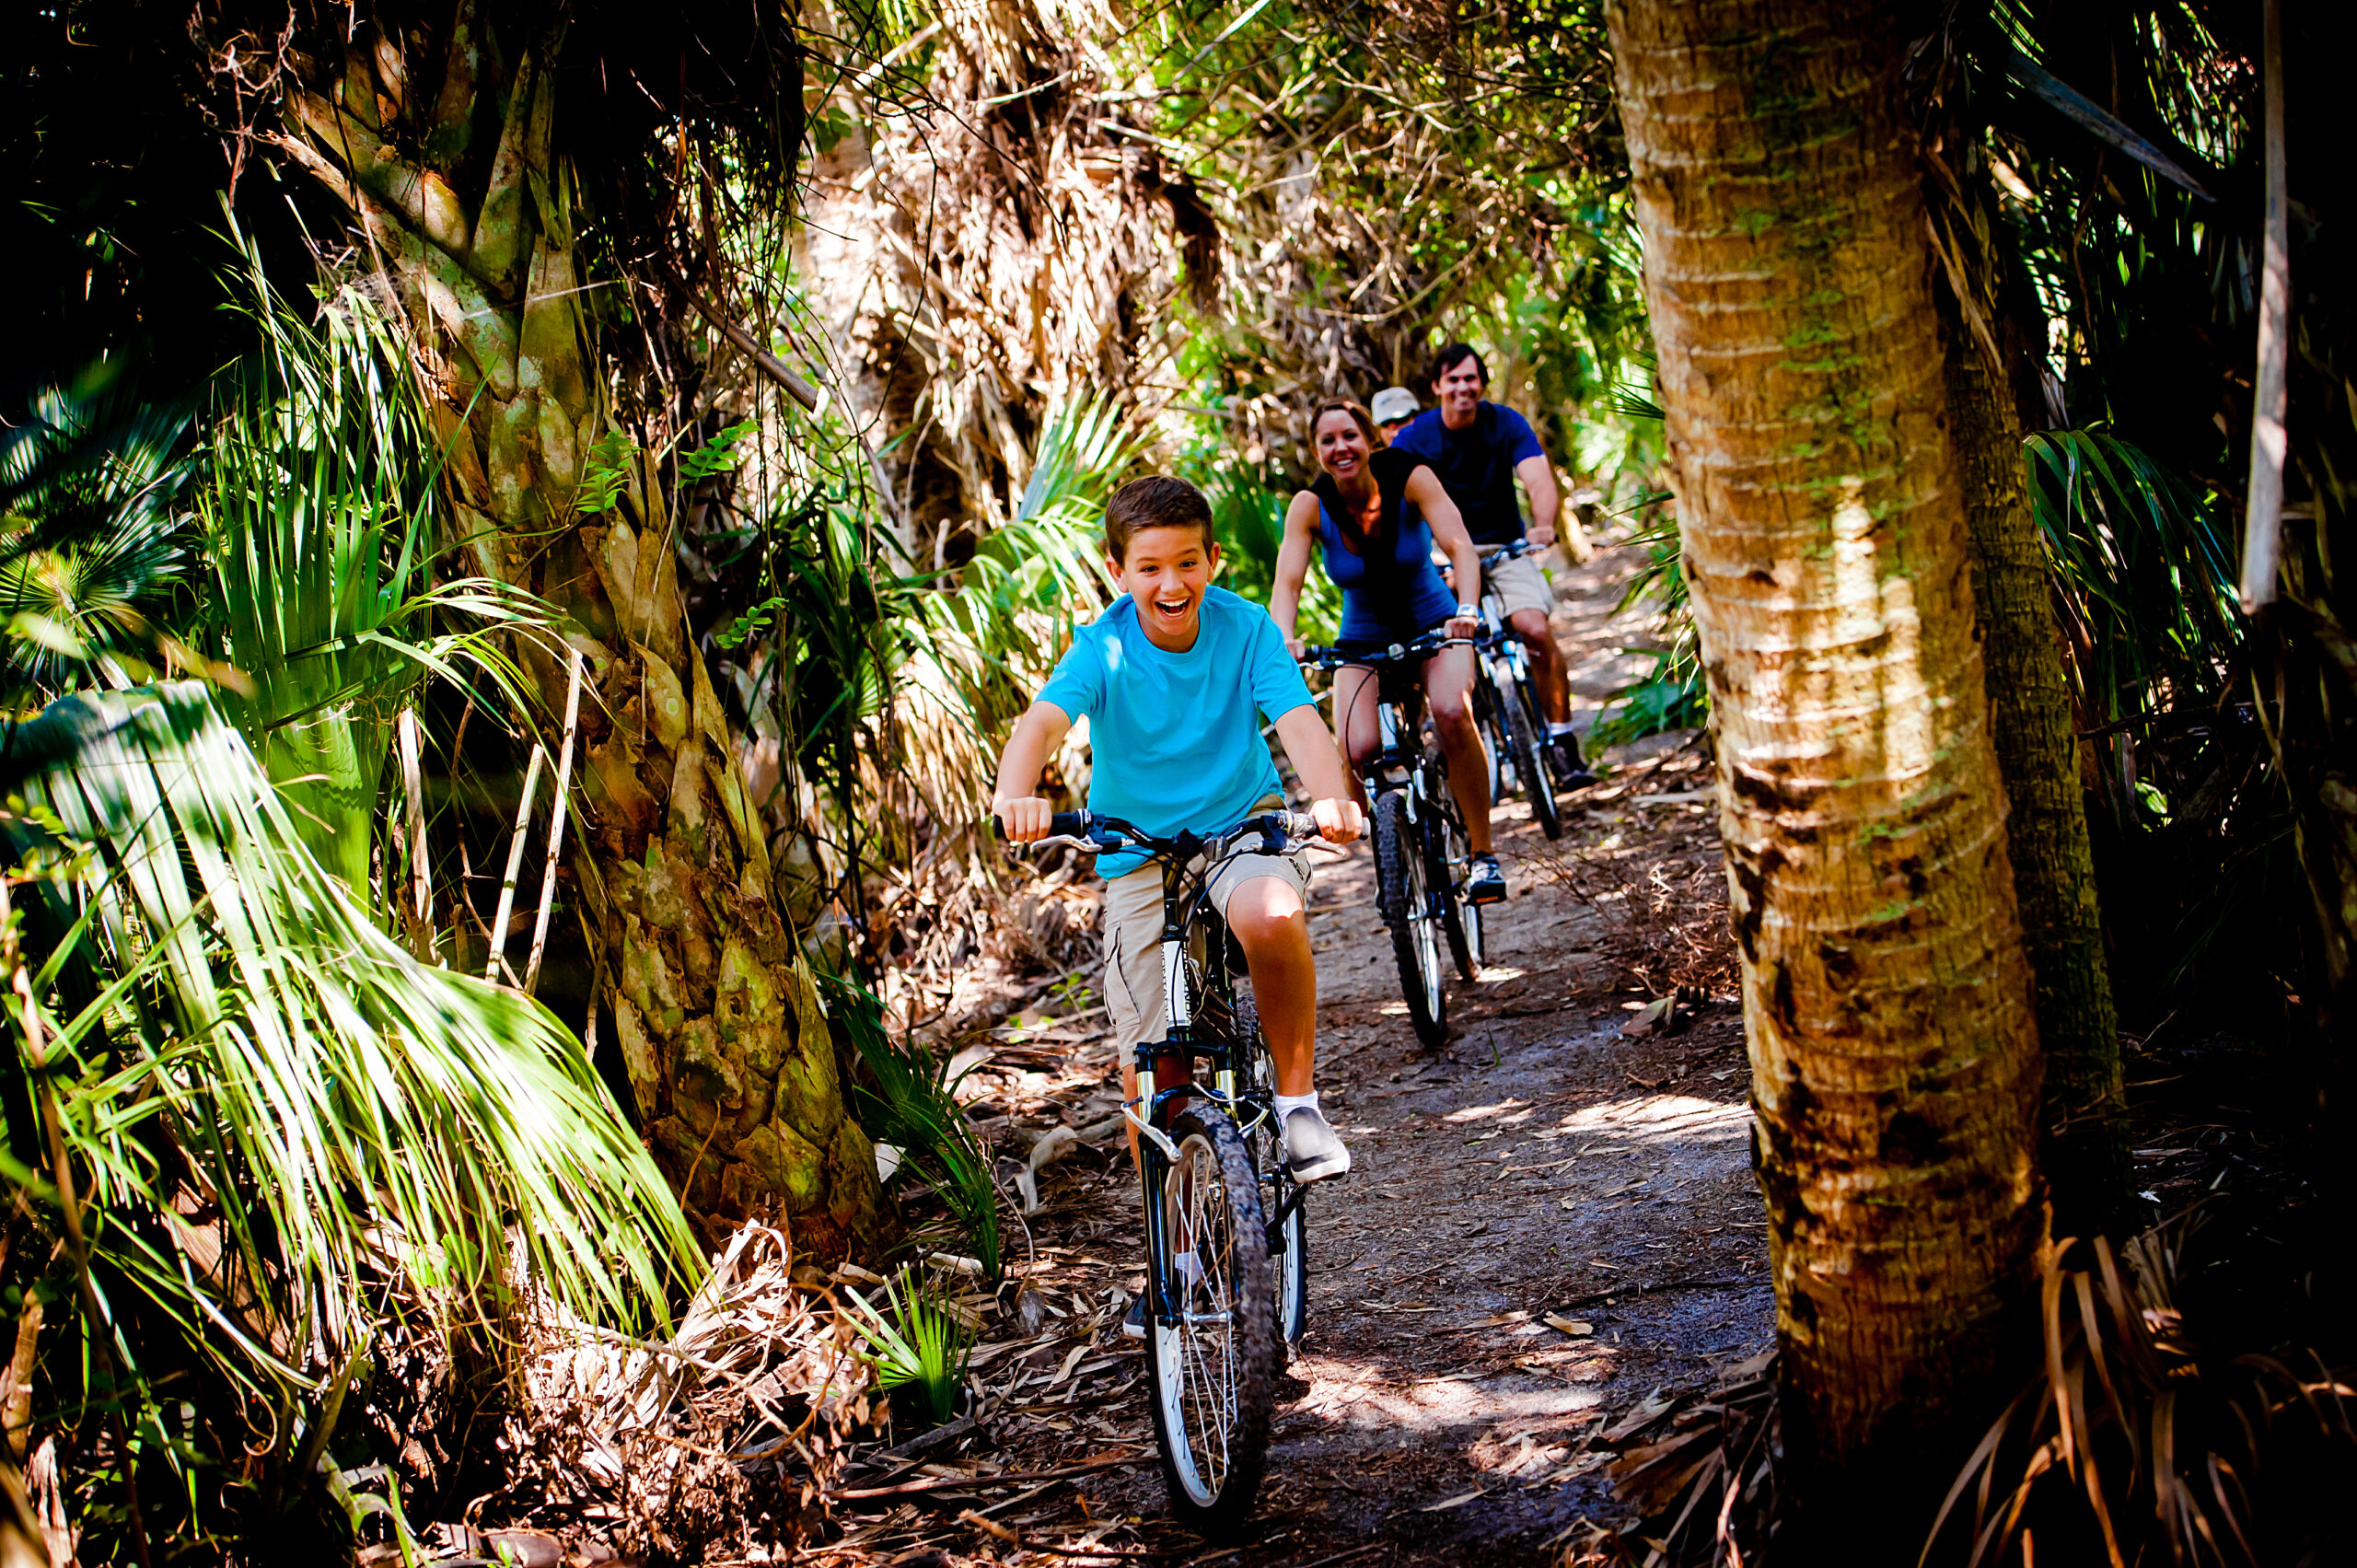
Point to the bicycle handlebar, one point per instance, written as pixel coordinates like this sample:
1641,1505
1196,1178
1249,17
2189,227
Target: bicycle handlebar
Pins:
1508,551
1424,647
1101,834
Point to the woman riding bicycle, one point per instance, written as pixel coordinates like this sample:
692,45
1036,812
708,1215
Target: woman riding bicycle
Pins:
1375,515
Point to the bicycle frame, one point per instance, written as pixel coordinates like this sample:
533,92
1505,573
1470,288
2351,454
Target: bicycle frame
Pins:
1166,1068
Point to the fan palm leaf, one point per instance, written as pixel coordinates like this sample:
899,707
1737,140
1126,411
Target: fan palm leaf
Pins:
90,548
272,1098
319,497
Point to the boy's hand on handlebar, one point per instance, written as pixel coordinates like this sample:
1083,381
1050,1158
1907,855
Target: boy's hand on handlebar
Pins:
1023,819
1542,534
1297,648
1465,626
1339,822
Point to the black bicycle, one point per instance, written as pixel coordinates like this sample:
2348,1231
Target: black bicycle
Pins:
1227,1246
1421,853
1506,705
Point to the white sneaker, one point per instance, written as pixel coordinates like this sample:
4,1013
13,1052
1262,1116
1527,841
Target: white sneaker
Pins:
1313,1150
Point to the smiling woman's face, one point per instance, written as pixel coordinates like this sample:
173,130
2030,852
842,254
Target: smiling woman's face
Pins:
1342,446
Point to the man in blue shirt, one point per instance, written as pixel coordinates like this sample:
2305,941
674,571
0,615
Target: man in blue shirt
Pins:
1478,449
1175,681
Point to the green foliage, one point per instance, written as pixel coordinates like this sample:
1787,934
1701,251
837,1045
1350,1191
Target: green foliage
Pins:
2143,572
285,1124
717,456
1014,598
1672,694
922,1345
905,1100
604,472
317,495
91,553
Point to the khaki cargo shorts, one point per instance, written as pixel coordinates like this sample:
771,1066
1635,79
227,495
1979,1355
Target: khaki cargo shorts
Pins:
1133,994
1520,584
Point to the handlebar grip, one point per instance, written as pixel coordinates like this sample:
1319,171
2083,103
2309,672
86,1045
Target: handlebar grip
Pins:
1063,824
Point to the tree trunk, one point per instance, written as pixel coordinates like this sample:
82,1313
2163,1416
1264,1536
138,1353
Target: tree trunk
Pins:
727,1049
1886,996
2083,1154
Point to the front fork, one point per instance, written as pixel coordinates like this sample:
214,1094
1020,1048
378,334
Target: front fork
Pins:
1171,1073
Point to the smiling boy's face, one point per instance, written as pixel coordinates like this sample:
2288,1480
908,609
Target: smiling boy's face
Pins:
1167,570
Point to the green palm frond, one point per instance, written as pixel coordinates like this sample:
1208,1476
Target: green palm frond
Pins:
272,1100
318,498
923,1344
2143,571
90,551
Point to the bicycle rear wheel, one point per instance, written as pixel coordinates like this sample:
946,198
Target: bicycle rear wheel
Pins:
1213,1348
1404,896
1530,761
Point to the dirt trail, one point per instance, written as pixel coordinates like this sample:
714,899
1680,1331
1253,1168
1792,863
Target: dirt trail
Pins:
1548,1220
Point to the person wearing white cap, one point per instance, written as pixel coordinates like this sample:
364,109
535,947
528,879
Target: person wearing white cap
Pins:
1393,407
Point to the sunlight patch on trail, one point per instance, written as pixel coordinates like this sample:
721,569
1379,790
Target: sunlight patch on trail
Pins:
1365,1402
1661,1119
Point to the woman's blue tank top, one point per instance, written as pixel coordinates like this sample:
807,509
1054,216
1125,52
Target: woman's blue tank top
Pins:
1389,595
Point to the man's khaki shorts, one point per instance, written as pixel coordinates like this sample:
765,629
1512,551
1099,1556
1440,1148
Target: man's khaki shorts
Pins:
1521,585
1134,994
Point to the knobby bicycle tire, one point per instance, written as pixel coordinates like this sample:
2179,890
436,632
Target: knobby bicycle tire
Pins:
1290,1237
1494,737
1406,904
1460,918
1213,1375
1530,761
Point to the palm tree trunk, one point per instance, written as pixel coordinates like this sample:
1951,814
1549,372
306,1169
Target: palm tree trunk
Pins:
2083,1155
1886,997
727,1048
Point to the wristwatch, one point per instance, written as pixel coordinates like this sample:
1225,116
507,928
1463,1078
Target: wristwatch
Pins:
1469,612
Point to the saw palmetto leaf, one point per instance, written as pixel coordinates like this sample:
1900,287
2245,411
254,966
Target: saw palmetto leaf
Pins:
317,492
91,549
273,1099
2144,574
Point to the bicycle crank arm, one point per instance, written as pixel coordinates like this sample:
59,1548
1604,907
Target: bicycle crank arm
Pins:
1285,1212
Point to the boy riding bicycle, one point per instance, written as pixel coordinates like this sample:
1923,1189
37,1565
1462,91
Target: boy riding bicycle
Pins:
1175,680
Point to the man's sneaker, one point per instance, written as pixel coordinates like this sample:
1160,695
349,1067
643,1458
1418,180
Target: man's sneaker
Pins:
1563,760
1133,1320
1484,883
1313,1151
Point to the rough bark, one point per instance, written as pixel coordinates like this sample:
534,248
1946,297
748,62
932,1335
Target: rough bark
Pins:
997,249
2084,1151
1886,996
728,1049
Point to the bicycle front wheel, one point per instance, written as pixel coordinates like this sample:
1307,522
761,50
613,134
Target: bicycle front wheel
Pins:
1530,761
1213,1348
1460,916
1493,738
1404,893
1288,1239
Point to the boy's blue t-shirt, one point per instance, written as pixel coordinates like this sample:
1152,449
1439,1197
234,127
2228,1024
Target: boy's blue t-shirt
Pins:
1176,736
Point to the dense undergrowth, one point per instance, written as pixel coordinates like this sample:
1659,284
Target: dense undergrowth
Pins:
290,1185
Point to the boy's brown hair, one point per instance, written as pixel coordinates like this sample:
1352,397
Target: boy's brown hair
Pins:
1159,502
